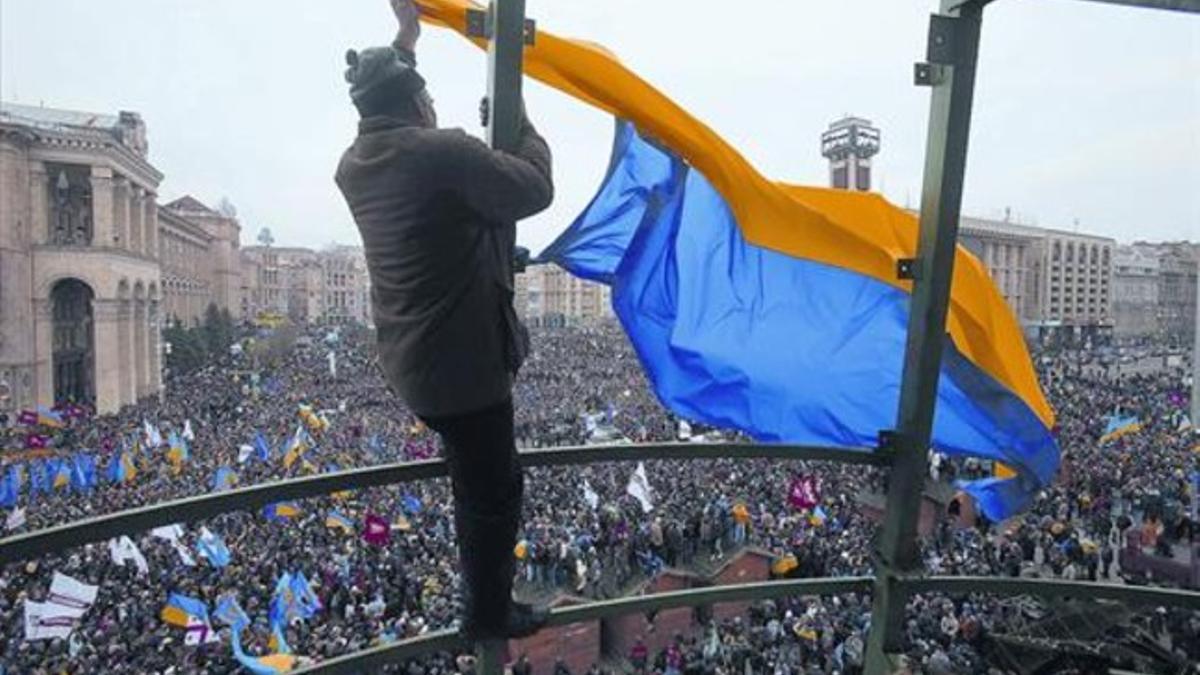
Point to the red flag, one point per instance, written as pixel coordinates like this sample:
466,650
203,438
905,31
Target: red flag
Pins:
377,531
804,493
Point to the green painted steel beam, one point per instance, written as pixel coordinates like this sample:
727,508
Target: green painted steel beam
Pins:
249,498
952,50
693,597
1056,588
698,597
1192,6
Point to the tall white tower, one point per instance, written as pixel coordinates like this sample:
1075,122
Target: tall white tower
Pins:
849,145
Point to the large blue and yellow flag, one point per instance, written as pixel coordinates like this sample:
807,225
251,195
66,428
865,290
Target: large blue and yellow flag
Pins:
774,308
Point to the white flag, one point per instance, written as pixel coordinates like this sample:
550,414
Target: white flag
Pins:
590,496
153,437
639,488
169,532
71,592
184,554
15,519
48,620
124,549
244,453
187,430
332,364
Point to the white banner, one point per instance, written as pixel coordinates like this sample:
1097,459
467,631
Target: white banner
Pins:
71,592
49,620
15,519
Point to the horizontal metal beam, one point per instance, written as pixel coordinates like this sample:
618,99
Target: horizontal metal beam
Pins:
692,597
201,507
1192,6
697,597
1055,588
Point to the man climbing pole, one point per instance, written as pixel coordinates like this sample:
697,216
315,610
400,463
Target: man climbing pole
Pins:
436,210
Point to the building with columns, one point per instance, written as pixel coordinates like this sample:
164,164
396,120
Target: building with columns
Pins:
85,252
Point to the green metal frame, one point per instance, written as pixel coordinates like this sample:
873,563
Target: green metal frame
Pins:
953,50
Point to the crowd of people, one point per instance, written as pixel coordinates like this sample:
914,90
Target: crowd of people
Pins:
583,533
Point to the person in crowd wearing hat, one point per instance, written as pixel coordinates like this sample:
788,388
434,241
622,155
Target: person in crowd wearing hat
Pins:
436,209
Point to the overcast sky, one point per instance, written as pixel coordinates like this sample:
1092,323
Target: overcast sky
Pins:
1084,113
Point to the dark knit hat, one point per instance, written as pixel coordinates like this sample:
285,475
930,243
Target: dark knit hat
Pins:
379,71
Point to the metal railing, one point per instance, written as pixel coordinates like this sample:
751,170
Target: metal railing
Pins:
249,498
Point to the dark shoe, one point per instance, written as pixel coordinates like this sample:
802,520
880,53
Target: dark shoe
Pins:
523,620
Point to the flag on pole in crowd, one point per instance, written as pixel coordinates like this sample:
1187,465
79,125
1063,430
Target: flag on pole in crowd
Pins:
229,611
27,418
261,446
122,549
121,468
336,520
61,472
411,504
10,486
245,452
213,548
36,441
177,451
639,488
50,418
281,511
188,435
306,598
83,471
71,592
401,524
39,476
153,436
15,519
1119,426
818,516
315,422
270,664
49,620
296,447
224,478
590,496
803,493
191,615
376,530
332,363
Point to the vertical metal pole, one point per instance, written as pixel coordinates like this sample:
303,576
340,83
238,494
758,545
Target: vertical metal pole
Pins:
1196,356
506,52
505,65
953,47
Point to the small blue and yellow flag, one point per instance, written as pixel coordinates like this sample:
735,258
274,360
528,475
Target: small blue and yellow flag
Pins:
281,511
336,520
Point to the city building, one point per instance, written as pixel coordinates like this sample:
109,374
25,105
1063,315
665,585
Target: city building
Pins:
1177,298
1136,279
327,287
547,295
1007,252
90,265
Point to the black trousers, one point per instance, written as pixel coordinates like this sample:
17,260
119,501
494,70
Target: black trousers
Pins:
485,473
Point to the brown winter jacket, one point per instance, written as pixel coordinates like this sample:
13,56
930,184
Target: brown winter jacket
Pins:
436,209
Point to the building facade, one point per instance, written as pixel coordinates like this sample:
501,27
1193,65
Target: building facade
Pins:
1007,253
547,295
1059,284
326,287
79,276
90,265
1177,291
1136,278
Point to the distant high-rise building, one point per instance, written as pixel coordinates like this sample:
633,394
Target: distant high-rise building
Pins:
849,145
